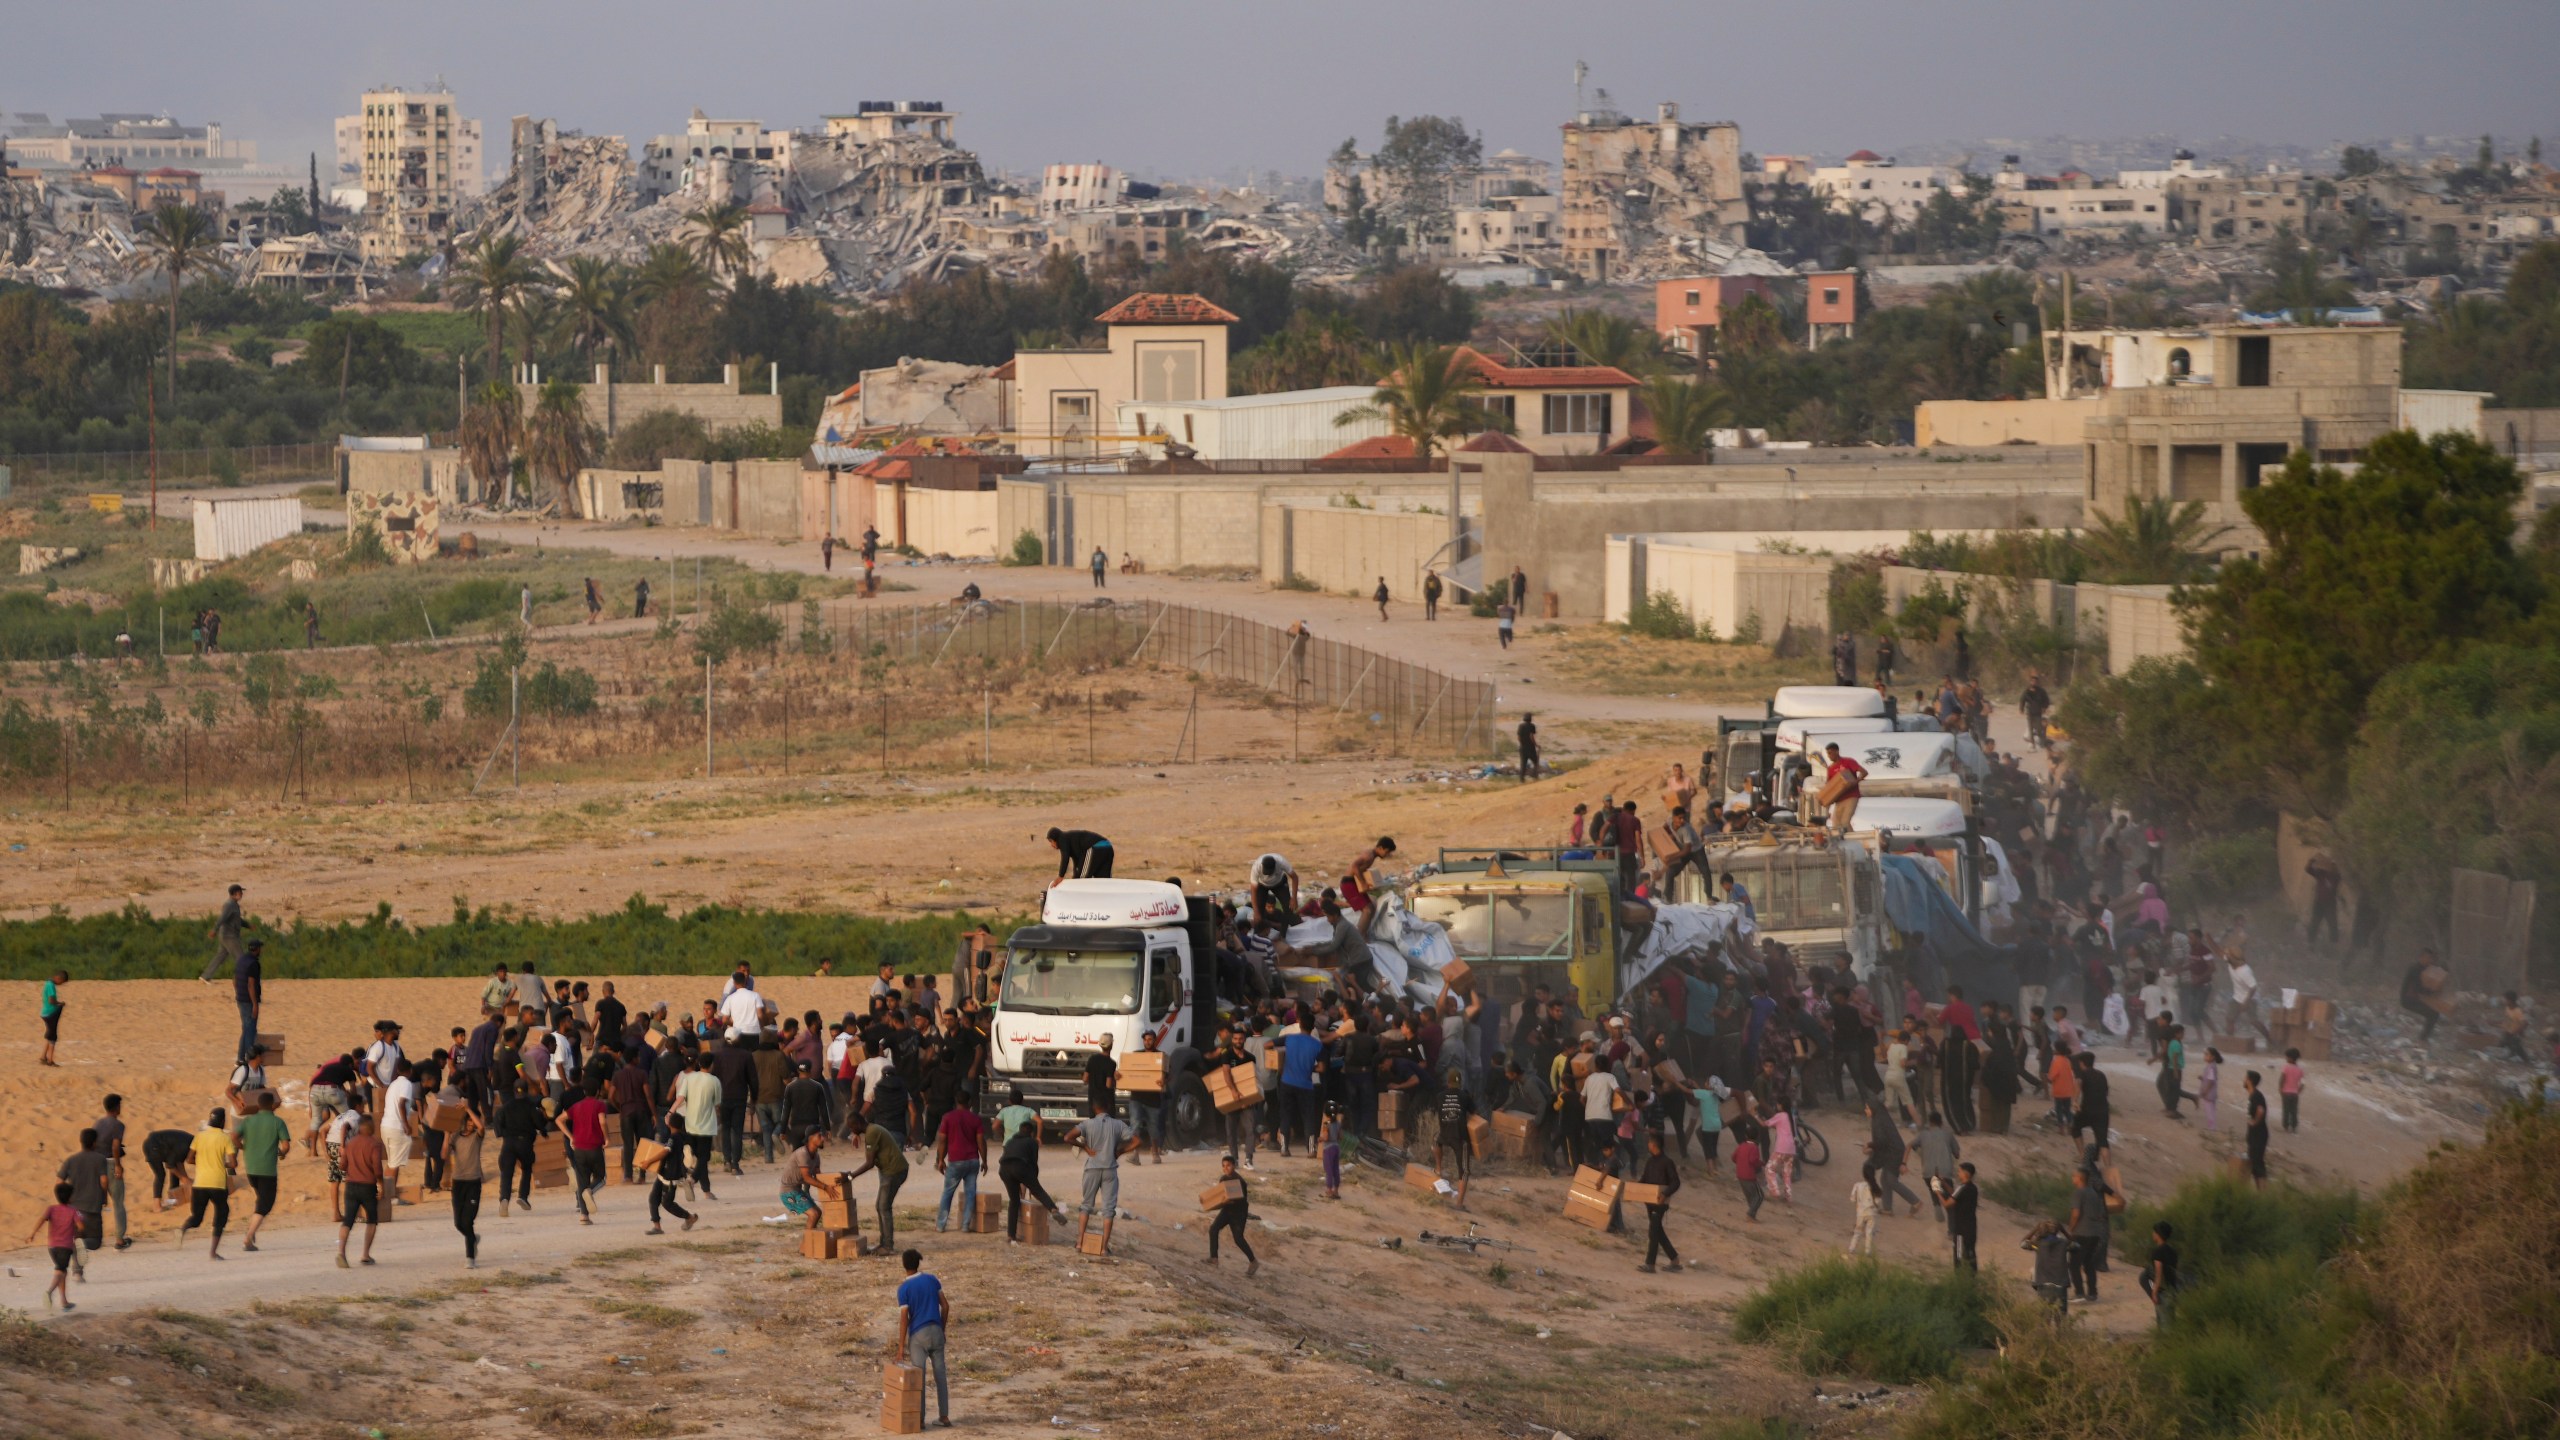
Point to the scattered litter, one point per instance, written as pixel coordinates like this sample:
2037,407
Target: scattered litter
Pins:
124,1380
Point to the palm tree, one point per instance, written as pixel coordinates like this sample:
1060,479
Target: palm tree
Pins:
1752,327
559,440
719,238
493,279
183,236
668,272
492,429
2153,542
1686,413
595,306
1602,338
1429,396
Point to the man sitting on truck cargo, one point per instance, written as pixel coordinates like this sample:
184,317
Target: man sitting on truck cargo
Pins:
1082,854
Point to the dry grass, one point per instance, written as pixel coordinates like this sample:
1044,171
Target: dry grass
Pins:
1604,658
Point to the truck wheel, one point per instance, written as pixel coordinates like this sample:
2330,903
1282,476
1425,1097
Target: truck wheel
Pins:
1195,1118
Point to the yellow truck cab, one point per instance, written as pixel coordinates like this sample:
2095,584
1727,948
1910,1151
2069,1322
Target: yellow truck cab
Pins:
1524,917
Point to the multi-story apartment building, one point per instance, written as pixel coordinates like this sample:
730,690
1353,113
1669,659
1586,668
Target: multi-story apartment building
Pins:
412,150
1628,182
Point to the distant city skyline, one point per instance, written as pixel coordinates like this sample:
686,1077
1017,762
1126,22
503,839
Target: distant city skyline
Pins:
1167,89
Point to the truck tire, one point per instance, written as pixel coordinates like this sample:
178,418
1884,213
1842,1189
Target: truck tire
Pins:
1195,1119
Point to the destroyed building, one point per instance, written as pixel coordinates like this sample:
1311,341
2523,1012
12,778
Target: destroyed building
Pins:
1633,190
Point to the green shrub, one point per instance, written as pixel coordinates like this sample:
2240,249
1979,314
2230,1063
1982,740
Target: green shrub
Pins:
1661,616
2220,1223
1295,581
638,939
1878,1322
1027,550
364,548
2222,869
1926,611
2043,1193
1857,596
736,626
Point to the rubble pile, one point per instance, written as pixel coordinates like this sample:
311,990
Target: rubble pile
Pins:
81,238
571,194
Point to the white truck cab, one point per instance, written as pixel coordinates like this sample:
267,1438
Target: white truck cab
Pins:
1116,959
1937,830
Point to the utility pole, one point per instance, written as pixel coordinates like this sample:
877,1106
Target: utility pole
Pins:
515,727
706,718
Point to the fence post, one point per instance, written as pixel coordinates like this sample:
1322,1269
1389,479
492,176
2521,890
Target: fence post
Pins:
987,734
706,717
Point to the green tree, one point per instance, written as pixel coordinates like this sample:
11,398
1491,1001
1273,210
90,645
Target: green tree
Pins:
1311,352
2458,764
2402,561
2295,283
719,239
2150,542
181,237
1430,396
493,279
2156,738
1686,413
1419,164
360,349
1603,337
559,440
492,431
2357,160
595,307
1414,304
652,439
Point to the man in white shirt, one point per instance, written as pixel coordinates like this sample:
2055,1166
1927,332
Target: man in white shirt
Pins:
384,1055
1599,1117
399,1104
742,1012
2244,995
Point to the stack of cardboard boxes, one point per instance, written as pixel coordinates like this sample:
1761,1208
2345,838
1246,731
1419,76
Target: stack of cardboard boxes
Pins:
1141,1072
1592,1197
1391,1109
2308,1025
902,1398
1237,1087
832,1234
1515,1135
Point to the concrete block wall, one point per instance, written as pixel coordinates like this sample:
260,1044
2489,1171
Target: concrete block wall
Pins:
1342,549
601,495
954,522
1024,505
2137,620
1721,588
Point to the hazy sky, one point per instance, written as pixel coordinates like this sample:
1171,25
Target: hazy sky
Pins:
1194,86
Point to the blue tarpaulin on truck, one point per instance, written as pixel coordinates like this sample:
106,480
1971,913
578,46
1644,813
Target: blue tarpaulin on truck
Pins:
1943,946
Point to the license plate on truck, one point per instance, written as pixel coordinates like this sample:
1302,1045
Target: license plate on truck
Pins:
1058,1112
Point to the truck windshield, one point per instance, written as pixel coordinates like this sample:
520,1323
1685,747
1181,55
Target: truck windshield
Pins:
1506,925
1071,982
1796,893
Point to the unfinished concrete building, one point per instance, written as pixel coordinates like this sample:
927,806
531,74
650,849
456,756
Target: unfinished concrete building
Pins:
1633,190
413,146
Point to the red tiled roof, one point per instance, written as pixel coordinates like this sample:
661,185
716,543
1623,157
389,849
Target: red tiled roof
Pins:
1494,375
1376,447
1856,156
1494,442
894,463
1156,309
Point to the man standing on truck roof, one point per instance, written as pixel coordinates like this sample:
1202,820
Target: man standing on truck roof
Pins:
1844,806
1082,854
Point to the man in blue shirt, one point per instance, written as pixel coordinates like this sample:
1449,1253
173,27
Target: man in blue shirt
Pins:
1299,1053
928,1313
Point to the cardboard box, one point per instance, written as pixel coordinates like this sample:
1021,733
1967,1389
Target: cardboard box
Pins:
1583,1208
823,1186
1479,1134
1035,1225
835,1214
818,1244
657,1039
646,1156
1642,1195
902,1414
1390,1109
1457,976
1142,1073
898,1379
444,1117
274,1046
1090,1241
1514,1123
1391,1135
1223,1193
989,1217
1235,1088
1422,1178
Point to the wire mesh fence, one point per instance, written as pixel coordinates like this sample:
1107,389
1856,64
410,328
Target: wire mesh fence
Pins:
1424,710
850,687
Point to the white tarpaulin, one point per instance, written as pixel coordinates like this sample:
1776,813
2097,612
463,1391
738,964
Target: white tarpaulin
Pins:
1687,932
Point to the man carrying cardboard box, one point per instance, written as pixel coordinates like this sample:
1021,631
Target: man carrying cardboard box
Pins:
1661,1182
928,1322
1230,1215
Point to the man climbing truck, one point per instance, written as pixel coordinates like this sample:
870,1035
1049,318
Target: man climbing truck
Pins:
1110,959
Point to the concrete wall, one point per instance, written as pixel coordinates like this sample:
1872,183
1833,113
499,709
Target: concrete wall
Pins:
1559,535
2001,422
605,494
1341,549
954,522
1719,586
2529,432
2137,620
613,404
440,473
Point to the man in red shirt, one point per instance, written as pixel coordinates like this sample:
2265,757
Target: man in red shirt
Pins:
1844,807
585,1119
959,1152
